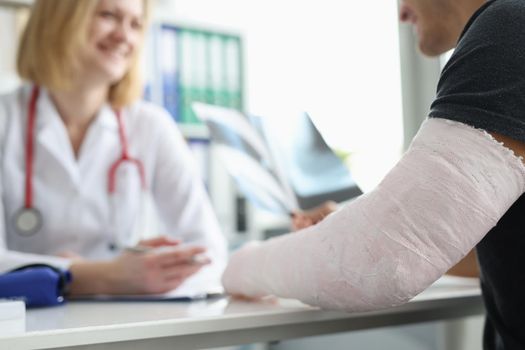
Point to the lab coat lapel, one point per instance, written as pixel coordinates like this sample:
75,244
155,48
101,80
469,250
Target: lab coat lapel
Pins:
102,137
52,138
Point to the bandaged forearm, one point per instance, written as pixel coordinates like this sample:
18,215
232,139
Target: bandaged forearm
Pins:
449,189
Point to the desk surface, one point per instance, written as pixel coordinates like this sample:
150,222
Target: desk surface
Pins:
222,322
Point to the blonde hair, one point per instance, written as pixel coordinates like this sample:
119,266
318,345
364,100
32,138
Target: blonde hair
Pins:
52,39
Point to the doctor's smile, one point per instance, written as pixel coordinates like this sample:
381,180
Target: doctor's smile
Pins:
115,35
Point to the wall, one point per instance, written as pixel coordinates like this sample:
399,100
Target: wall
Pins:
338,60
8,39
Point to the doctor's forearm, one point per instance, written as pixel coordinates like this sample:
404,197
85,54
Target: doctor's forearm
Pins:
116,276
91,277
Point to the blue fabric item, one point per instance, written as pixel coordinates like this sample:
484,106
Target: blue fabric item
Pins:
38,285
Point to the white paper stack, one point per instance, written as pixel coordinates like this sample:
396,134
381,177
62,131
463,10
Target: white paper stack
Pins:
12,317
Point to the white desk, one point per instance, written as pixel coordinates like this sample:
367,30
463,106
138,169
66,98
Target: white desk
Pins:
113,325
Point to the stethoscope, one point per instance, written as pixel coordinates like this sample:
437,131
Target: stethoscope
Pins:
28,220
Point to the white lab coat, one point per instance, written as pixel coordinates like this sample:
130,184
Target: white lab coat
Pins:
72,193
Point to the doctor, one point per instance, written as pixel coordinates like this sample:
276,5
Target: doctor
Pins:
80,155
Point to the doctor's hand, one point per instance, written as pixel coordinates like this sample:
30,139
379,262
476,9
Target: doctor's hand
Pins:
148,272
156,271
304,219
162,241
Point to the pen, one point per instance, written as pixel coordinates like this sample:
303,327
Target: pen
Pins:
138,249
195,259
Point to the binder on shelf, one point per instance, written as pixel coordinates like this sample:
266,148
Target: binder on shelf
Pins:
148,68
217,82
198,68
185,51
169,70
233,76
186,65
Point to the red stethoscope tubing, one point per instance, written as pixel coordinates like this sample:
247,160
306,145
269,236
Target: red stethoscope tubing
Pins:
31,117
124,157
29,157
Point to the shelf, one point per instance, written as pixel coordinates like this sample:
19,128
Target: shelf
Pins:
16,3
194,131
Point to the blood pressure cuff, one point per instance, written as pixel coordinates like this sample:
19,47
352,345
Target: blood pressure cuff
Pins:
37,284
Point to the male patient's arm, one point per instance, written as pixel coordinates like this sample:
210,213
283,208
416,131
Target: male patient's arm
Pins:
516,146
448,190
467,267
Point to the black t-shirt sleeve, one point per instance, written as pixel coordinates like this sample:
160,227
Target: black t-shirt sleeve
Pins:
483,84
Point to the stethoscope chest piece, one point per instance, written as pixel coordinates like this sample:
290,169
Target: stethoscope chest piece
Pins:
28,221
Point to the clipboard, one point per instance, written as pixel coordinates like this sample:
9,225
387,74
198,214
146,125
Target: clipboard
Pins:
149,297
182,294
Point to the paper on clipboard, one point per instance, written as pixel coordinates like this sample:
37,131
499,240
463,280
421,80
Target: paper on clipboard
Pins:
184,293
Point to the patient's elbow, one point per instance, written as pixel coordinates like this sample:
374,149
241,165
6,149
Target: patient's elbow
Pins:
376,287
